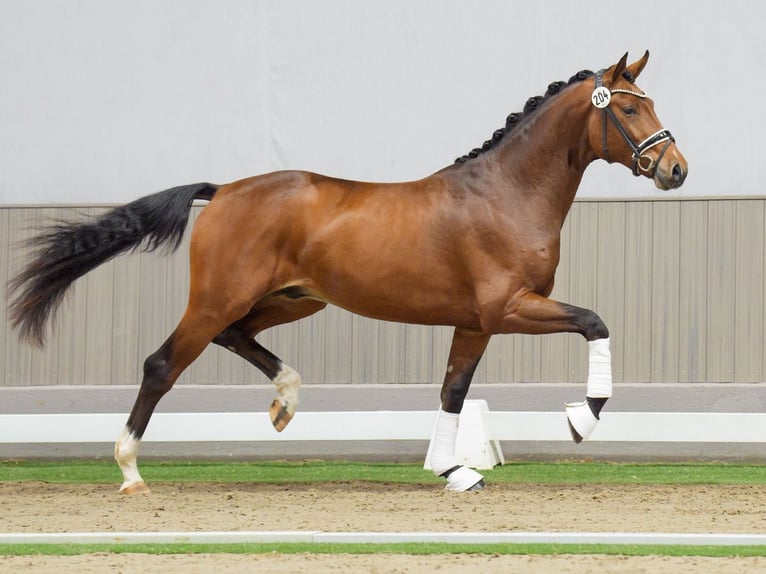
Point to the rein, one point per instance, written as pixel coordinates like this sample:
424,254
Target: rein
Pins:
601,98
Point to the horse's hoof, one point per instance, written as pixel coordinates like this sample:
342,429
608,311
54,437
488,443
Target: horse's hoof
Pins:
280,416
463,479
581,420
136,488
575,435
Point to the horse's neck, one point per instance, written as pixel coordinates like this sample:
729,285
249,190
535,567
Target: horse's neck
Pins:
544,159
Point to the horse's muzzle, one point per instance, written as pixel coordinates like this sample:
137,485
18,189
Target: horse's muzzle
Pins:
671,174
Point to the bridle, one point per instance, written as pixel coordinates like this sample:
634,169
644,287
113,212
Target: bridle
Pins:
642,163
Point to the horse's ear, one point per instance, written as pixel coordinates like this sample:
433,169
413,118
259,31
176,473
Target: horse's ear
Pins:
636,67
619,68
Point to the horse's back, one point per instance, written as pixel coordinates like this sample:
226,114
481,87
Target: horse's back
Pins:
293,198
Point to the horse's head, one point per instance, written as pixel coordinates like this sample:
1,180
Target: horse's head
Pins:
625,129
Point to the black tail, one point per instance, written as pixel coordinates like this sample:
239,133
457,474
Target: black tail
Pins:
68,250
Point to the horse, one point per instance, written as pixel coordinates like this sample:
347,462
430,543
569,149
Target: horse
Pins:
474,246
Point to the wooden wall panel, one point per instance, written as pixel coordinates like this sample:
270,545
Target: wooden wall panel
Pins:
637,321
679,283
749,308
666,219
693,292
721,280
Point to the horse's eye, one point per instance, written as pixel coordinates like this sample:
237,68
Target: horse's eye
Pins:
629,110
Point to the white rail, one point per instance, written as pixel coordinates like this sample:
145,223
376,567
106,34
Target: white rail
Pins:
382,425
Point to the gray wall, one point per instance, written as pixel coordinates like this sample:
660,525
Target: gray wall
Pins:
680,283
106,101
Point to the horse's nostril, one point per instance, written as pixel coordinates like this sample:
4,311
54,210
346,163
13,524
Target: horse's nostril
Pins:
677,173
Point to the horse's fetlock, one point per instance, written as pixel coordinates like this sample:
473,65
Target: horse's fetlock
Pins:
596,404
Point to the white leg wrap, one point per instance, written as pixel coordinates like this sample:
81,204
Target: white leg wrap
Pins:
443,446
125,452
443,459
581,417
599,369
288,384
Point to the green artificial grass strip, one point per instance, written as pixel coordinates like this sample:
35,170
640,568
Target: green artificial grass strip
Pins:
385,548
106,472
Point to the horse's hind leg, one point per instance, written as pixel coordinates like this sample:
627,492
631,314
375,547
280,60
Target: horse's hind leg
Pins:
239,339
161,369
286,379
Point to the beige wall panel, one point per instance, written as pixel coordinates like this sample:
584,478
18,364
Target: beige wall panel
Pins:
664,295
363,338
126,359
749,347
18,358
418,345
680,284
693,288
721,278
637,330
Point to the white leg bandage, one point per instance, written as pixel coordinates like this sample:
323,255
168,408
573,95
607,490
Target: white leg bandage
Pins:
599,369
443,446
582,421
460,478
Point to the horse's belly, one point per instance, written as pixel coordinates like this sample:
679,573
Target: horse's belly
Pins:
416,300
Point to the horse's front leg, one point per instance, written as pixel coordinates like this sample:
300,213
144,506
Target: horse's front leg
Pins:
583,416
467,348
534,314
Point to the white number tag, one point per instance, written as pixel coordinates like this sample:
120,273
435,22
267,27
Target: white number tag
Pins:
601,97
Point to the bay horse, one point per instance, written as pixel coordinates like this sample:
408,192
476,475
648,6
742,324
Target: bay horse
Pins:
474,246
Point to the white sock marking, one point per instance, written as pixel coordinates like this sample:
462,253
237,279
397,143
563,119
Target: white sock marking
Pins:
125,452
288,384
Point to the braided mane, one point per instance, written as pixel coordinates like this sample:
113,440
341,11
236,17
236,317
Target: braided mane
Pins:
513,119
